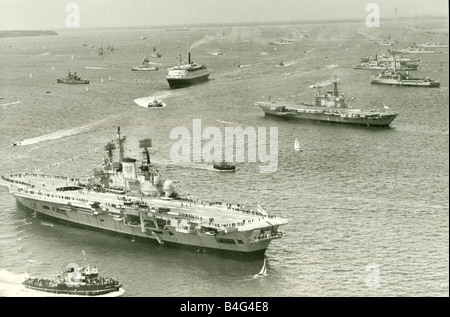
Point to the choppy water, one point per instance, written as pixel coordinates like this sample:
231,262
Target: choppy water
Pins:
356,198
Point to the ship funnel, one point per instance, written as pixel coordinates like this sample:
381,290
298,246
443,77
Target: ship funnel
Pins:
189,57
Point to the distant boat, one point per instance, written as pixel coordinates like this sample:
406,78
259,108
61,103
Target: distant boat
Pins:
145,66
156,104
432,45
187,74
224,166
297,147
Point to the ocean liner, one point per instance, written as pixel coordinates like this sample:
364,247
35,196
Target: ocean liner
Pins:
329,107
187,74
122,198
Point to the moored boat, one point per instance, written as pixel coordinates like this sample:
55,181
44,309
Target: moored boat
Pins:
394,78
416,50
72,79
224,166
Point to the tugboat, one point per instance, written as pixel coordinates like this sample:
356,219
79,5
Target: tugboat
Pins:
156,104
330,107
155,53
76,280
224,167
72,79
184,75
145,66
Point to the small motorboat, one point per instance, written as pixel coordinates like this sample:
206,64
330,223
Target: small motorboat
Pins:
224,166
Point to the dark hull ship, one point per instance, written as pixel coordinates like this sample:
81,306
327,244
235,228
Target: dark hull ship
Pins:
72,79
329,107
119,198
82,281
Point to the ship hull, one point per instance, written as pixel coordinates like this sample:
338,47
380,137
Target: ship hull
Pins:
407,83
186,82
196,240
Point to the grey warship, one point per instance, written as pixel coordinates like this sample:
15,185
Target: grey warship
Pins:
329,107
72,79
120,198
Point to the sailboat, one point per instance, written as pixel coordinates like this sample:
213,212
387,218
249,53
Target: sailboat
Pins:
297,147
263,269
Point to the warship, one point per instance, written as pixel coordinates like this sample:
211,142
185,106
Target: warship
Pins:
72,79
416,50
394,78
138,202
75,280
187,74
329,107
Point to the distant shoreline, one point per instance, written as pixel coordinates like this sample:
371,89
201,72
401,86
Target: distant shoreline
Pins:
22,33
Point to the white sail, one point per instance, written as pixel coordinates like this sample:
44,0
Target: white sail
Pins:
297,147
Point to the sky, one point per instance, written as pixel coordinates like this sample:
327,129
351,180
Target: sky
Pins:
52,14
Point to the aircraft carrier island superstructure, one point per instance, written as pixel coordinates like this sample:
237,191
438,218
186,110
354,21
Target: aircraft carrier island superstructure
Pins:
124,198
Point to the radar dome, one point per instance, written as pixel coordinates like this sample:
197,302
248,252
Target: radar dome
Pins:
168,187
